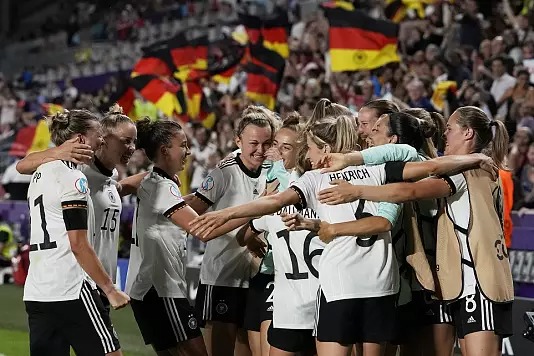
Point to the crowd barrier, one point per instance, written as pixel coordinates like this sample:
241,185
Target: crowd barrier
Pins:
521,259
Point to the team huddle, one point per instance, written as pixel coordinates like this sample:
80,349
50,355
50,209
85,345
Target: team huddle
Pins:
314,245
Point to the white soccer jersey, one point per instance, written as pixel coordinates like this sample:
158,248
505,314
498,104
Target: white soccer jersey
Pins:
351,267
458,208
54,273
107,208
226,263
158,257
296,258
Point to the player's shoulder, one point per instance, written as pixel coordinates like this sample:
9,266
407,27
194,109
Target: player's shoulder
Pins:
227,164
156,180
63,170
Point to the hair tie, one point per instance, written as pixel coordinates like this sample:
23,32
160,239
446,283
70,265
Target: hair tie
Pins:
493,123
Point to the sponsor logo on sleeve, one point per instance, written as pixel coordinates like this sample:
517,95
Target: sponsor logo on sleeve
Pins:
81,185
208,183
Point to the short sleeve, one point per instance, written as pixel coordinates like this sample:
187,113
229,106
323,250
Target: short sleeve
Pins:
389,211
167,198
457,183
259,225
74,189
213,187
305,187
389,153
74,193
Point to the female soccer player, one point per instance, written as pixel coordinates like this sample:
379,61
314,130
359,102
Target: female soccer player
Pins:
474,271
359,280
226,268
296,283
369,114
156,274
119,135
62,303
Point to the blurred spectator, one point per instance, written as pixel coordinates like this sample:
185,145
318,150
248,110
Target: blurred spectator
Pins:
8,245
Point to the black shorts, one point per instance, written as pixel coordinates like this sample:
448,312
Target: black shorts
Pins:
165,322
351,321
429,311
291,340
224,304
82,323
475,313
259,301
406,323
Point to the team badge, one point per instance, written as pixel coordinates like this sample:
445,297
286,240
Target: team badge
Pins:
221,308
81,185
175,191
111,196
192,323
208,183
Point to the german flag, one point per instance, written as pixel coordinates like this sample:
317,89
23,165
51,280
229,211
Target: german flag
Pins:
164,93
264,74
189,54
198,108
253,25
274,33
156,63
125,98
360,42
395,11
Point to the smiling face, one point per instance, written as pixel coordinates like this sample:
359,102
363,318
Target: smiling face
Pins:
175,154
380,133
315,153
285,142
119,143
366,120
455,136
254,141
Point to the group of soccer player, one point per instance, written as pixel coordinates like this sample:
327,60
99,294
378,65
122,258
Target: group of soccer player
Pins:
313,245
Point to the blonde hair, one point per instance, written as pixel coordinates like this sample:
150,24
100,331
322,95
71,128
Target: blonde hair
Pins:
258,116
338,132
324,108
113,117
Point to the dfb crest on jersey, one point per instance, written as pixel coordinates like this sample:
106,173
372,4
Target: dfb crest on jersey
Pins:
192,323
175,191
81,185
111,196
221,308
208,183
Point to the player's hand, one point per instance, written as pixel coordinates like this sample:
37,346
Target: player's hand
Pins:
332,162
204,225
273,154
118,299
341,192
257,247
326,232
74,151
487,164
296,222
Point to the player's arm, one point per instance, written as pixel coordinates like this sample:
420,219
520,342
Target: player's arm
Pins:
75,218
363,227
296,222
71,150
129,185
450,165
205,224
372,156
429,188
184,214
